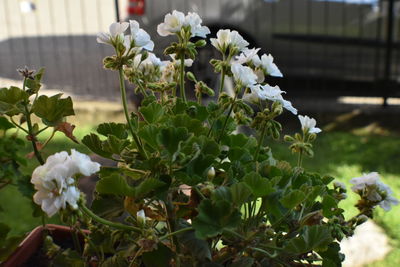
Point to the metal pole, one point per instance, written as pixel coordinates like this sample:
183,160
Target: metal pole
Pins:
117,10
388,52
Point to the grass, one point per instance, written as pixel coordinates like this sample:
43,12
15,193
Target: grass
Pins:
340,154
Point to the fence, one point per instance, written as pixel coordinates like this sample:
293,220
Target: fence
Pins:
324,47
61,36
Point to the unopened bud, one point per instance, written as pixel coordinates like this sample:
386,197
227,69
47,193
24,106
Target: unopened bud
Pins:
141,217
200,43
191,76
211,173
288,138
312,137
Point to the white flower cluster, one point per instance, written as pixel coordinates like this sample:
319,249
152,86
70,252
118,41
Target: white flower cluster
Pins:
249,69
173,24
226,38
54,180
137,40
370,187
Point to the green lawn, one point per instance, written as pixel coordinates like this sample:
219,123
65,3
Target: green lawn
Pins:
343,155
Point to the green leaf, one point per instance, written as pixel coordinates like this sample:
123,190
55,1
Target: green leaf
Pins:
108,206
157,258
213,218
152,113
198,248
93,142
221,193
147,186
149,134
258,185
240,193
114,185
5,124
312,237
197,167
193,125
332,256
239,154
329,206
112,128
293,198
33,85
53,109
210,147
197,111
39,74
4,229
114,145
10,100
171,137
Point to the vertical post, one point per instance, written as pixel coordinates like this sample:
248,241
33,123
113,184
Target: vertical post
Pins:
388,51
117,10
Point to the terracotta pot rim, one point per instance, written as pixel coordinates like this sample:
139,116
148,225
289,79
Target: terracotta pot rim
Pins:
32,242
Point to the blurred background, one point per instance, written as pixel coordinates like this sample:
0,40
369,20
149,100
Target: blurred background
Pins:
340,60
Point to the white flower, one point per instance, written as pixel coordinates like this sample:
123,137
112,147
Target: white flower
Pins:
243,75
117,30
388,202
308,124
194,21
83,163
364,181
222,41
374,190
273,93
255,95
140,37
238,41
248,55
172,23
227,38
267,64
54,183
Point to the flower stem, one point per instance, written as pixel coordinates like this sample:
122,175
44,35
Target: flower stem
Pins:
300,159
98,219
125,105
182,78
30,130
18,126
227,118
260,141
221,86
176,233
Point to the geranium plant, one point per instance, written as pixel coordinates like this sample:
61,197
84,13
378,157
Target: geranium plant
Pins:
188,188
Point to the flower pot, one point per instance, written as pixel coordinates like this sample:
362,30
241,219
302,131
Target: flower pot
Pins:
33,242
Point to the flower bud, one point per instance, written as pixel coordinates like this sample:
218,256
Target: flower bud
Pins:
141,217
288,138
201,43
191,76
211,173
312,137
